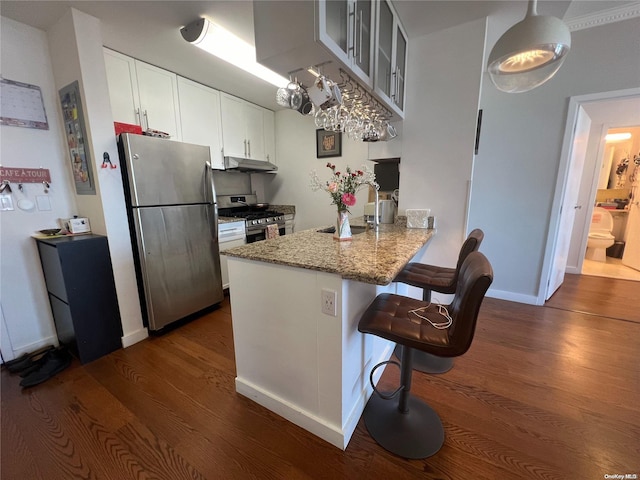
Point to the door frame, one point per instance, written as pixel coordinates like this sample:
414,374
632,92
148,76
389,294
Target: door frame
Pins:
563,171
572,183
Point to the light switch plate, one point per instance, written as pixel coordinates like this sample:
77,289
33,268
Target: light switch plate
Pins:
6,202
329,300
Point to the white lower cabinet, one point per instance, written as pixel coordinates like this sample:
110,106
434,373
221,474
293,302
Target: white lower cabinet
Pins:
200,118
231,235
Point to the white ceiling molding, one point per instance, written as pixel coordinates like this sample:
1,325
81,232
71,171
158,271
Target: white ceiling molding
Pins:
603,17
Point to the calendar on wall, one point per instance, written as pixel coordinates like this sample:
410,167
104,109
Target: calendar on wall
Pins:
22,105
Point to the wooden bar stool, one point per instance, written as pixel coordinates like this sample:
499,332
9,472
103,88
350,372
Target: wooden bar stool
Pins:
441,280
408,426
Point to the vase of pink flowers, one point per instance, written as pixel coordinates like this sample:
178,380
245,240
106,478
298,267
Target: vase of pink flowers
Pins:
342,187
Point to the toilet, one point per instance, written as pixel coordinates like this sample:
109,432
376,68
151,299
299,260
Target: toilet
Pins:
600,237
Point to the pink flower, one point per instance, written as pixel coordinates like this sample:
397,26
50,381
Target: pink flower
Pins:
332,187
349,199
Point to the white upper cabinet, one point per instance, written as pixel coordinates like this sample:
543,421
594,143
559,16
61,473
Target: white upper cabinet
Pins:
390,57
159,99
142,94
242,128
200,118
269,135
123,87
346,28
255,131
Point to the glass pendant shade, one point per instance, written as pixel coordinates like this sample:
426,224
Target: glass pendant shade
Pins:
529,53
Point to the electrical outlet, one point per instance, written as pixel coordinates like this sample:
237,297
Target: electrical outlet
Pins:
329,300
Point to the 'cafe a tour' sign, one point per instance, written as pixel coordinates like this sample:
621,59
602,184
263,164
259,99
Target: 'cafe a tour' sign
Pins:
25,175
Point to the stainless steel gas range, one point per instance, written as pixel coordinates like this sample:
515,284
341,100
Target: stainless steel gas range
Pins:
257,217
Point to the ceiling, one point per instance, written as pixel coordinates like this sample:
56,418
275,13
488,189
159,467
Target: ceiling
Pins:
149,30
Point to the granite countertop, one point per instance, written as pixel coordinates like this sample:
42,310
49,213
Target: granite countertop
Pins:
368,258
284,209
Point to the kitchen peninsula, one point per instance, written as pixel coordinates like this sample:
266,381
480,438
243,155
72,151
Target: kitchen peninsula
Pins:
296,301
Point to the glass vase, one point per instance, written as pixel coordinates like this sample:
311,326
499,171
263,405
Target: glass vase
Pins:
343,229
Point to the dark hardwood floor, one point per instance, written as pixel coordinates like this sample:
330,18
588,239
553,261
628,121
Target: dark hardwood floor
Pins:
606,297
543,393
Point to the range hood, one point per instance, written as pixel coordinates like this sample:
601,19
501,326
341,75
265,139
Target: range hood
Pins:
248,165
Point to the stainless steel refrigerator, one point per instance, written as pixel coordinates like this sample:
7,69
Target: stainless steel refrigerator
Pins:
173,217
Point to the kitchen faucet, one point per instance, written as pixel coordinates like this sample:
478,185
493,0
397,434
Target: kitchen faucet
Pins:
376,215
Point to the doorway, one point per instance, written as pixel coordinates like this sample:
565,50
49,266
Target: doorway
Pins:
588,120
617,170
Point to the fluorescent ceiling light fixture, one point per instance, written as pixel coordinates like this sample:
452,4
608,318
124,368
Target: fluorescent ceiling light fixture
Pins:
529,53
218,41
617,137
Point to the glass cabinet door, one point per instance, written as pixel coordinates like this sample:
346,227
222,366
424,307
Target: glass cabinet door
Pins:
362,36
385,45
400,68
336,16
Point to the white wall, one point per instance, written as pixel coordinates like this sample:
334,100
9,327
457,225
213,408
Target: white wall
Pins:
72,51
517,165
443,89
76,48
296,157
25,58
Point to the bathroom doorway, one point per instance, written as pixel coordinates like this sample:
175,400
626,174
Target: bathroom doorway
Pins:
569,235
619,168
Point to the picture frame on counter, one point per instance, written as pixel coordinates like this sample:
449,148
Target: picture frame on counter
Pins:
328,144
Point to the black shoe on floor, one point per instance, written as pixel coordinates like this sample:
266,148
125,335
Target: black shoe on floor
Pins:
26,360
54,362
35,365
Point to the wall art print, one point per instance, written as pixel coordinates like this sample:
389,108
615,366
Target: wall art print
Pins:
328,144
76,135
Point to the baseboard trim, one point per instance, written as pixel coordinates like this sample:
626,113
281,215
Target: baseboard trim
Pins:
513,297
134,337
329,432
32,347
302,418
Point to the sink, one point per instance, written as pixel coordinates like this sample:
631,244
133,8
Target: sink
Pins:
355,229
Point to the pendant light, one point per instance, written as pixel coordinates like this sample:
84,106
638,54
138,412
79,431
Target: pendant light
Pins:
529,53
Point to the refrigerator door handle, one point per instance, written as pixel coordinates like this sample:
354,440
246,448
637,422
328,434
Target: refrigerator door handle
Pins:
212,190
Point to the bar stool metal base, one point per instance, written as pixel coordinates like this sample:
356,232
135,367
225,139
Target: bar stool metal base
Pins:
427,363
416,434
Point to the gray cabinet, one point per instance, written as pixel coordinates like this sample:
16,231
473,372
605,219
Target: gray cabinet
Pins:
82,294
